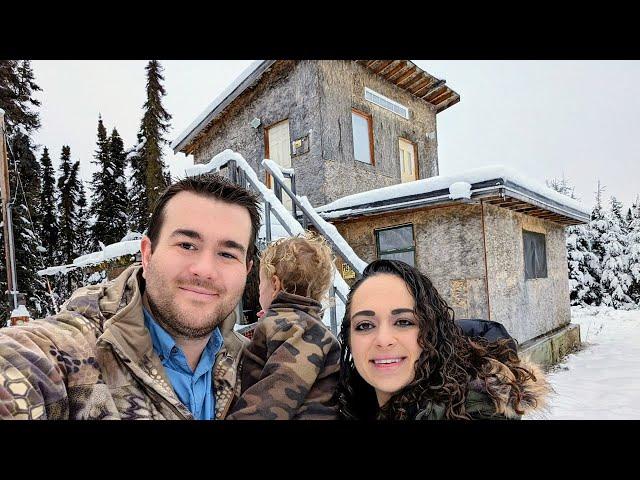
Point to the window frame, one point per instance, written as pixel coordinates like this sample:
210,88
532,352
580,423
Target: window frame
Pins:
379,252
369,119
535,273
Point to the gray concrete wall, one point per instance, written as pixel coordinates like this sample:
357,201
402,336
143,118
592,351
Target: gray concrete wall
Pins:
342,86
288,91
527,308
449,251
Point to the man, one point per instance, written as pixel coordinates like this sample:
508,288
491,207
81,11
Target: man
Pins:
157,342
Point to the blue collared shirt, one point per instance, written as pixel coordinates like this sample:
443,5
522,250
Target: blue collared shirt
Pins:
195,389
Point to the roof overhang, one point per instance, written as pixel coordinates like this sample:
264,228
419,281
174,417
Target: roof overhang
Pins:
408,76
500,192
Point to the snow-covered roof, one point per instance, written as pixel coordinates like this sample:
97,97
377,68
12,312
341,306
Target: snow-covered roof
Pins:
249,75
482,183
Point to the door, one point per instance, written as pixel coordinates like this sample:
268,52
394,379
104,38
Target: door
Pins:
279,150
408,164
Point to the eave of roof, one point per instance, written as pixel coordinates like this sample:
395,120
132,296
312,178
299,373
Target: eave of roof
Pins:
498,191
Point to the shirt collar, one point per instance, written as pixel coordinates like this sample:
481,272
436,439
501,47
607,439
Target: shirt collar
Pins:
163,342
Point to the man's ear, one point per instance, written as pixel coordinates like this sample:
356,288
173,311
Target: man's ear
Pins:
277,285
145,249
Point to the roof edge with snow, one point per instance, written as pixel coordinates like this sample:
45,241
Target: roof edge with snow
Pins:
248,77
494,185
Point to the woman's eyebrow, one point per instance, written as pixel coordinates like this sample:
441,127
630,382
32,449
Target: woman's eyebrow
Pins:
366,313
398,311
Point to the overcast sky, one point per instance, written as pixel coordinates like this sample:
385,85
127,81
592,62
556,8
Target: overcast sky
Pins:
545,119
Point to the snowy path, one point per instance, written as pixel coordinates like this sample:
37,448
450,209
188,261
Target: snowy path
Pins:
602,381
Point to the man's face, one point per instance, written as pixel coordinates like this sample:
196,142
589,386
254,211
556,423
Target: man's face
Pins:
197,271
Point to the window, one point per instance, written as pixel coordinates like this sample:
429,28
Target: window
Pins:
535,255
386,103
408,164
362,137
397,243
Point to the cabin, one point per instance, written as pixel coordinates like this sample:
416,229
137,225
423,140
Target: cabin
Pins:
361,137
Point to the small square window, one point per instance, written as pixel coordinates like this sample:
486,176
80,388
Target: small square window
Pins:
396,243
535,255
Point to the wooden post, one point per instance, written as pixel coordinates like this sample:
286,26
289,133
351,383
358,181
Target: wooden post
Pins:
6,198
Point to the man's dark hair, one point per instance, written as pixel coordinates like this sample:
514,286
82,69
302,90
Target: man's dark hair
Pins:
208,185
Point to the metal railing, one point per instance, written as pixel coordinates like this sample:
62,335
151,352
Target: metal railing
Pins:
293,222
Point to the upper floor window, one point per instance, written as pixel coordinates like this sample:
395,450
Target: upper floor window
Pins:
386,103
535,255
362,137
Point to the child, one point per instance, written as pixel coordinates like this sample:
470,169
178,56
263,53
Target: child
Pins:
291,367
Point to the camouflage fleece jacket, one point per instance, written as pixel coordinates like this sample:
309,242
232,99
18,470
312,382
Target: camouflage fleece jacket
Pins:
290,369
95,360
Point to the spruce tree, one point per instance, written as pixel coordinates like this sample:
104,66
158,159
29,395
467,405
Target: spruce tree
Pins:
597,228
633,252
25,185
67,203
82,226
101,185
138,201
49,230
118,199
148,169
17,87
615,279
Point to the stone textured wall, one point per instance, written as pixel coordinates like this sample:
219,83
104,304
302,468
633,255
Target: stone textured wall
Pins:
342,86
449,251
317,97
527,308
288,91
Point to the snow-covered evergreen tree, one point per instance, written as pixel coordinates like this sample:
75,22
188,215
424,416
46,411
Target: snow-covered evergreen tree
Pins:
582,263
615,279
82,226
633,252
138,213
148,169
102,184
49,230
25,185
17,88
119,197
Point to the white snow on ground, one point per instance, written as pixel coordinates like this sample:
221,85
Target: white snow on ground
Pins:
601,381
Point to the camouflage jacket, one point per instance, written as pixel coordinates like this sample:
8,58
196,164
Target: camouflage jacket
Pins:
480,406
290,369
95,360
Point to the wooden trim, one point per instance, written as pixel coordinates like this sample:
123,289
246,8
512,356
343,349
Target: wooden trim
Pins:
388,68
385,64
369,119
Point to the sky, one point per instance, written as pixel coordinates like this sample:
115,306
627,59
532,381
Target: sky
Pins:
545,119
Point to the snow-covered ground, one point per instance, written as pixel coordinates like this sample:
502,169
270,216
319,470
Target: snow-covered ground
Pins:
601,381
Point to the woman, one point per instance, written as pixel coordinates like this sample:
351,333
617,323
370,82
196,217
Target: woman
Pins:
403,357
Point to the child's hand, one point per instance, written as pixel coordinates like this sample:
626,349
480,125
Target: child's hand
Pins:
260,314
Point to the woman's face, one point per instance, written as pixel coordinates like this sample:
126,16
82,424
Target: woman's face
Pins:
384,334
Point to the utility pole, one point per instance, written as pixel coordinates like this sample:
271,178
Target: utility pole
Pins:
6,218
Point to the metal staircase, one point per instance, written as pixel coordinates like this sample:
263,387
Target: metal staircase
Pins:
294,222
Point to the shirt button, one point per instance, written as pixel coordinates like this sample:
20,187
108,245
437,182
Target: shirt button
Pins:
174,350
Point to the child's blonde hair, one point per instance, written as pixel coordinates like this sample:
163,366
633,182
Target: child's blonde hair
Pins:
304,264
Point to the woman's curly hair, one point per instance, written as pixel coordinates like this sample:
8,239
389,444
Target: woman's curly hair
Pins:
448,363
